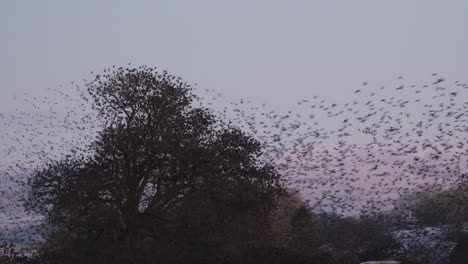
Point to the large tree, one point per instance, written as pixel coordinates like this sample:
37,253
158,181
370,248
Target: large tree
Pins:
157,162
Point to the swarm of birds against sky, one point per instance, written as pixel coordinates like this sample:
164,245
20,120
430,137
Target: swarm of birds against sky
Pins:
355,156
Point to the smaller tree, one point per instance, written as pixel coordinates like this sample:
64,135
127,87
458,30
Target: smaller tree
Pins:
292,224
302,224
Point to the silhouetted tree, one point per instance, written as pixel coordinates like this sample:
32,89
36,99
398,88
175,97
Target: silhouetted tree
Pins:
303,228
160,173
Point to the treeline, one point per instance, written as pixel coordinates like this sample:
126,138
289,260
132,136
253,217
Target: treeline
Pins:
294,235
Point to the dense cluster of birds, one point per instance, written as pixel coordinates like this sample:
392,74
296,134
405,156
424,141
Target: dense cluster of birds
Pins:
369,149
353,157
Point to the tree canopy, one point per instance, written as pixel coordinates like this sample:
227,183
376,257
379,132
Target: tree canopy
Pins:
158,160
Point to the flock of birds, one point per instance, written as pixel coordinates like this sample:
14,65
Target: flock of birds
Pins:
354,157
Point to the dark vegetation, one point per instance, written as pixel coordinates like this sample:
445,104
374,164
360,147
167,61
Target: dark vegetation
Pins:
163,182
436,205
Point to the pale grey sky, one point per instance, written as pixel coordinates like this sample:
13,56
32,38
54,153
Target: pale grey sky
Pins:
269,51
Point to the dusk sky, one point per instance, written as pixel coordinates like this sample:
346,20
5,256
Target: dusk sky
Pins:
311,75
273,52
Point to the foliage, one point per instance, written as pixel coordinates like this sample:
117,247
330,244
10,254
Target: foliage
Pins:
162,179
436,204
353,240
303,228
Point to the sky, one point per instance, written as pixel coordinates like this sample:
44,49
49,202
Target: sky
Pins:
267,51
274,52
